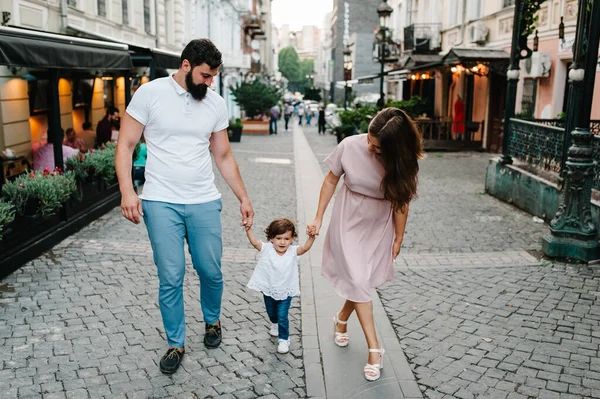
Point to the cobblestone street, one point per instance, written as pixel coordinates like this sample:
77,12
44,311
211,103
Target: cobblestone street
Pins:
82,321
476,314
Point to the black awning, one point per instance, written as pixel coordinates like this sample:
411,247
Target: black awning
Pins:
143,56
466,55
28,48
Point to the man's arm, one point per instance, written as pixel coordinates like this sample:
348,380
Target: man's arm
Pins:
129,136
221,150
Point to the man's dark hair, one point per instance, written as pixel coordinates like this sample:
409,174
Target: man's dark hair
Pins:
200,51
86,125
111,110
69,131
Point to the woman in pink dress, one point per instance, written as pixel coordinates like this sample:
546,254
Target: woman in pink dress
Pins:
368,219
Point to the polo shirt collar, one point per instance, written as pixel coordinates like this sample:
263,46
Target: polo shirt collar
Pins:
180,90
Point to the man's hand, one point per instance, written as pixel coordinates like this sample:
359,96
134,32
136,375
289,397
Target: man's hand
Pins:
131,207
247,213
313,228
396,249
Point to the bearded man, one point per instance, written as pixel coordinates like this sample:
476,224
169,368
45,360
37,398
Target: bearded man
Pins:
183,122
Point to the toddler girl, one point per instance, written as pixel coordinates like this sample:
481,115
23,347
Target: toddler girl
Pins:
276,275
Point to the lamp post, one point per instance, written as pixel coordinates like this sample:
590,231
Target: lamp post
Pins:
383,11
347,73
573,231
310,77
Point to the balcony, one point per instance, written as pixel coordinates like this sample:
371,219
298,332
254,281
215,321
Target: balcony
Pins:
423,38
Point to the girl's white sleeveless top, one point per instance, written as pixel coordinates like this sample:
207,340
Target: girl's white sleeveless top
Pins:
276,275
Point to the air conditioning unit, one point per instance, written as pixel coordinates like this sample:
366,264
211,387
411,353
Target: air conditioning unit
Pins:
536,66
478,32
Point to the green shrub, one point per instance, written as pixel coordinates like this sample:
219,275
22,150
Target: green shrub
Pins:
414,107
44,189
99,163
255,97
358,116
237,123
7,215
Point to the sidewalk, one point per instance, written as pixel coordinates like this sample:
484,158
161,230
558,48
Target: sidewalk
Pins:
333,372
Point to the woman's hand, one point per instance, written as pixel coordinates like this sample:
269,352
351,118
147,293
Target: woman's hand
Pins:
396,249
313,228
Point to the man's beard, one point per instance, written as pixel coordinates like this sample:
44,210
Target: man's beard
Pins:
198,91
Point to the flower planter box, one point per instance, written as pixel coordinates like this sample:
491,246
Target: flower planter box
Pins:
255,127
25,230
94,191
236,134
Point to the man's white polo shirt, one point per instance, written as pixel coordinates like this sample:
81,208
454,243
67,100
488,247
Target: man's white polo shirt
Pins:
177,132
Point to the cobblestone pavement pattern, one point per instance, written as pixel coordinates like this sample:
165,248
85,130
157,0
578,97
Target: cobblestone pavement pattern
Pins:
82,321
471,324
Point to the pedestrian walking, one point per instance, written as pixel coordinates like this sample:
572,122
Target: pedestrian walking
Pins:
276,275
274,119
309,115
183,123
368,219
300,114
287,114
321,120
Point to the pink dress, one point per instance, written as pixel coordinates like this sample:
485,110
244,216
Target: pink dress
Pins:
357,254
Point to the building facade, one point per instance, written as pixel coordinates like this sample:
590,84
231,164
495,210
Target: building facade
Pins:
152,32
353,22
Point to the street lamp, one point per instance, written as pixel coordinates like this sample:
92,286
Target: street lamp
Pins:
384,11
310,77
347,73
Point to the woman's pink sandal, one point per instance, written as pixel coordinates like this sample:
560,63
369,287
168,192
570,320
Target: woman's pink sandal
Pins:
341,339
373,371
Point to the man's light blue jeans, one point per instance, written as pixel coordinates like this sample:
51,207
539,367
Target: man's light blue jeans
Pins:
168,226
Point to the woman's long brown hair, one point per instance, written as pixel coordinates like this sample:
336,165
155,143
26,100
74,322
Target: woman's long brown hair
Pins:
401,148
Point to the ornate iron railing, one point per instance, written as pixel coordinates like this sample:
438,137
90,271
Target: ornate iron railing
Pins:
537,144
594,125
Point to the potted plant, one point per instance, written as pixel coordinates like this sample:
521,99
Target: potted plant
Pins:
40,193
7,215
256,98
236,131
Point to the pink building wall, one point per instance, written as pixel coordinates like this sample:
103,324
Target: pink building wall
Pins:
550,94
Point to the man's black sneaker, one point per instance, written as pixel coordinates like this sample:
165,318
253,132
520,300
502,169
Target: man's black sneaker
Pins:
170,362
212,336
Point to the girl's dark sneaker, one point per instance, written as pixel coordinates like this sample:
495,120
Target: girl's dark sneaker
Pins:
170,362
212,336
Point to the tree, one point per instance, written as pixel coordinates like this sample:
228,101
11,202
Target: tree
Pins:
289,65
255,97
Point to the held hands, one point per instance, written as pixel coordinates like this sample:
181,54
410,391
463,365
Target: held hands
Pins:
247,213
131,207
313,228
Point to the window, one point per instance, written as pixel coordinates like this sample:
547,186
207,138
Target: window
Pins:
528,100
125,11
474,10
102,8
508,3
147,25
453,13
72,3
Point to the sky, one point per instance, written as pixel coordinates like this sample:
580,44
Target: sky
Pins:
297,13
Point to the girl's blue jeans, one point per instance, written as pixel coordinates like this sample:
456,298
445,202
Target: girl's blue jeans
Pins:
169,225
278,312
